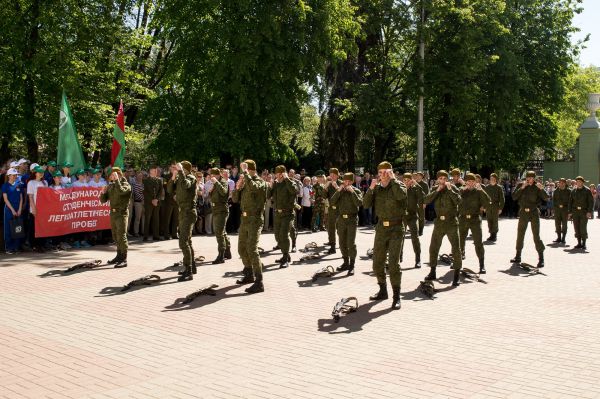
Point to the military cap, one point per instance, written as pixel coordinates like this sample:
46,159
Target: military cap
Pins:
441,173
477,176
57,174
38,169
280,169
187,165
334,171
115,169
580,178
320,173
562,179
348,176
251,164
530,173
455,171
215,171
384,165
470,176
67,165
407,175
52,163
420,174
495,176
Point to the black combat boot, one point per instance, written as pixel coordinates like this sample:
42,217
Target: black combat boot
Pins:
417,261
431,275
455,278
345,265
227,254
540,260
293,246
187,274
220,258
578,243
116,259
285,259
558,239
564,238
490,238
494,237
276,247
583,244
351,268
482,266
121,262
248,277
381,294
517,258
401,256
257,286
396,298
331,249
194,267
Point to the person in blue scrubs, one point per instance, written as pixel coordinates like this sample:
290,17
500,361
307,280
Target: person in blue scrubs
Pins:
12,192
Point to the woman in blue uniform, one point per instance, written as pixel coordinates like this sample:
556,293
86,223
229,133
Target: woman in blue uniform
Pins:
12,192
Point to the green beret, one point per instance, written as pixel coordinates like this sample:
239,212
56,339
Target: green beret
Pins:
251,164
441,173
334,171
407,175
215,171
187,165
495,176
67,165
52,163
580,178
280,169
320,173
470,176
530,173
455,171
348,176
384,165
57,174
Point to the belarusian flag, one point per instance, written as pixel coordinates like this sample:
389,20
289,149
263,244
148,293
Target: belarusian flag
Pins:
69,149
117,156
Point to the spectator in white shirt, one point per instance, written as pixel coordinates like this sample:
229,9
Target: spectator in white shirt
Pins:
307,202
81,179
32,188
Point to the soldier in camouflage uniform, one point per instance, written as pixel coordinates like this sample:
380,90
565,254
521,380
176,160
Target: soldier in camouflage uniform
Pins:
297,208
414,203
118,192
446,199
561,198
169,210
457,181
418,177
474,199
251,194
581,206
183,185
332,215
219,194
530,196
153,191
496,194
319,206
389,197
283,195
347,200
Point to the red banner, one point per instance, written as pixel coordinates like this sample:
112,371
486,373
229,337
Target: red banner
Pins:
70,210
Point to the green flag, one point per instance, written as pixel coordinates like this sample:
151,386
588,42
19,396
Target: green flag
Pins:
69,149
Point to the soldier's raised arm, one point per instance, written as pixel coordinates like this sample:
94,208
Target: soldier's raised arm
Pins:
518,191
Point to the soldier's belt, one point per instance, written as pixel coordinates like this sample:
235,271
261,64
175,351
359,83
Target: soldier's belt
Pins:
527,209
442,217
284,210
333,207
346,216
213,204
561,206
390,223
578,208
246,214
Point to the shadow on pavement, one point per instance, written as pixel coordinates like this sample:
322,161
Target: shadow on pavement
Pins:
204,300
352,322
112,291
516,270
63,273
322,281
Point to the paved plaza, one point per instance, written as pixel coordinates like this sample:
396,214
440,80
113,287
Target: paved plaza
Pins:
516,335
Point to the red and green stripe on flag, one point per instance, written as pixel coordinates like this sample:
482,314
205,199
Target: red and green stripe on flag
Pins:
117,156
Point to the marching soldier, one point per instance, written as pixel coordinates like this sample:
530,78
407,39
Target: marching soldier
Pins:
457,181
389,197
330,188
183,186
319,205
474,199
529,195
561,198
283,195
347,200
118,192
152,192
425,187
446,199
294,226
414,203
251,194
169,210
581,206
493,211
219,194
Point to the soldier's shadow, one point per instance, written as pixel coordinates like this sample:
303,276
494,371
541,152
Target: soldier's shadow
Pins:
64,273
352,322
310,261
112,291
517,271
321,281
204,300
575,251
